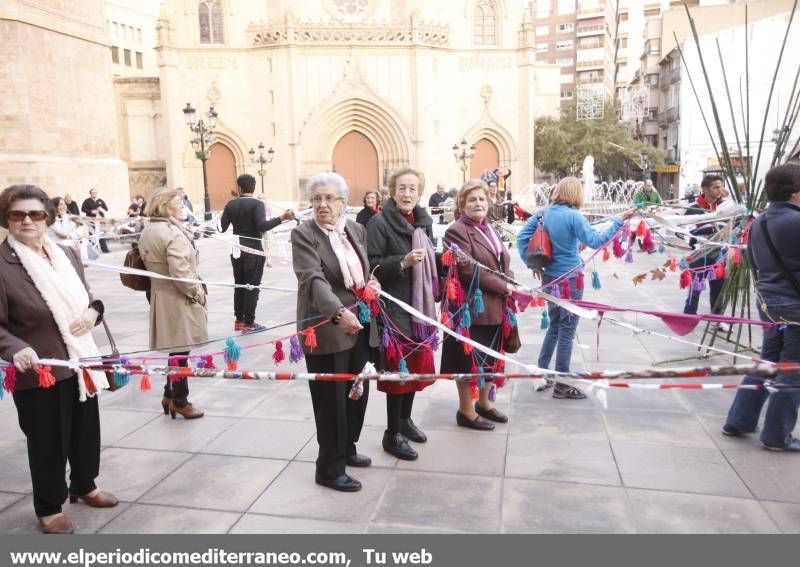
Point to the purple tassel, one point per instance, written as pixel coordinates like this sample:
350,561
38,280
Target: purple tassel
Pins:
385,338
629,256
698,284
295,351
492,391
434,342
555,291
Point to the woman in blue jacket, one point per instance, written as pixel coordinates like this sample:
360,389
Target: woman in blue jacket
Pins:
567,228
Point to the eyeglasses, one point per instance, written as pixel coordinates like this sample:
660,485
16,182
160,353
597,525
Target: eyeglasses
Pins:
327,199
19,216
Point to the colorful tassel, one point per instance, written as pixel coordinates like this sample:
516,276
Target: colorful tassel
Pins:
686,279
641,229
451,289
545,324
737,256
278,356
698,284
616,246
310,338
173,361
719,271
565,291
579,281
596,280
474,394
445,319
477,302
208,361
391,352
364,313
629,256
10,381
232,353
465,345
555,291
466,318
492,393
647,242
661,249
606,254
144,383
673,264
449,258
402,367
481,381
295,351
91,389
683,264
121,376
512,319
368,295
46,378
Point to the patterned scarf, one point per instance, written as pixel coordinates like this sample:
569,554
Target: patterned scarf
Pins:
349,262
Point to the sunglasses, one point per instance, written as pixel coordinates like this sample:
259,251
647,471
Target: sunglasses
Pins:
19,216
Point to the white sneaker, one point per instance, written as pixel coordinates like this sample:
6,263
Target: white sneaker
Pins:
723,328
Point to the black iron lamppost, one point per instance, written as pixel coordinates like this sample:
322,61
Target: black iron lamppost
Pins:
203,139
464,153
261,160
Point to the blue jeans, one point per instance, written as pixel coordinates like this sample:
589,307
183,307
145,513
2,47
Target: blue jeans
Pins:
561,333
781,344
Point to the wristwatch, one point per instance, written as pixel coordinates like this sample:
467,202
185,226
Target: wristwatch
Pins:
337,316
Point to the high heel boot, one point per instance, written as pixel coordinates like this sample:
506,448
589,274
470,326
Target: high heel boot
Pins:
188,411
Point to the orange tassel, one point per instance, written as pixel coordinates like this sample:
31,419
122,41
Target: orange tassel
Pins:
368,296
473,390
673,264
449,258
445,320
144,384
310,338
451,290
46,378
641,229
606,254
232,365
87,380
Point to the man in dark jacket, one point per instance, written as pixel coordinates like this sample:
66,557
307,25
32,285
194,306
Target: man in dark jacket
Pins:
249,220
775,257
93,208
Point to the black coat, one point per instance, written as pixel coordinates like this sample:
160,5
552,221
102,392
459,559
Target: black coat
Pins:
364,215
783,221
249,218
388,241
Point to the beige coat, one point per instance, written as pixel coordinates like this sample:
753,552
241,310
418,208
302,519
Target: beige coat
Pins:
178,314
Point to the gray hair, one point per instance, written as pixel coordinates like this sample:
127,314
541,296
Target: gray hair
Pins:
328,178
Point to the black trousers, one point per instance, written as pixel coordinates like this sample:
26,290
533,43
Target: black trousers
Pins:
247,269
58,428
178,390
398,408
339,419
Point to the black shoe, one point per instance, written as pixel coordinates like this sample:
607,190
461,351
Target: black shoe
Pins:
792,447
548,383
410,430
396,444
478,423
563,391
491,414
358,461
730,431
344,483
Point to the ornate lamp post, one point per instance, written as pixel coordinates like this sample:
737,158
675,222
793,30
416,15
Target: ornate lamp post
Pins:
261,160
464,153
203,139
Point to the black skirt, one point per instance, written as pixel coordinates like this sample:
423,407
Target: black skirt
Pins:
454,361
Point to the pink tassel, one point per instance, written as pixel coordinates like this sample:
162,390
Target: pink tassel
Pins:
565,294
647,242
278,356
579,281
10,381
46,378
619,252
368,295
208,361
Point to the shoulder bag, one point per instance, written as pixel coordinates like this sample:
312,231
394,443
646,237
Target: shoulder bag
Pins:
540,249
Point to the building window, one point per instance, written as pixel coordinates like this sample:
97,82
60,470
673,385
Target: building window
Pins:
566,62
127,54
565,95
623,42
542,47
564,45
542,30
542,8
567,78
114,54
485,23
652,79
566,6
210,14
653,12
565,28
139,62
139,35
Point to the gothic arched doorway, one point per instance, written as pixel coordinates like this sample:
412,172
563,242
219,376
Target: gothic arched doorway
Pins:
486,157
221,169
356,159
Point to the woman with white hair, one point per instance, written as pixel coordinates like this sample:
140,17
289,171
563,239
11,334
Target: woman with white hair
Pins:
330,260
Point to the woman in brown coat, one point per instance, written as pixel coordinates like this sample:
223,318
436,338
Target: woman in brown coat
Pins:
476,237
46,311
178,314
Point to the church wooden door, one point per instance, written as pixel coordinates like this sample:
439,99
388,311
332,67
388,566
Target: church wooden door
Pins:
356,159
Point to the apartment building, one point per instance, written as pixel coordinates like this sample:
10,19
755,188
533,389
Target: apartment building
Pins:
132,32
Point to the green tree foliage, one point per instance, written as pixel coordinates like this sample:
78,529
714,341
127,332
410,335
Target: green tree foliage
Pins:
562,144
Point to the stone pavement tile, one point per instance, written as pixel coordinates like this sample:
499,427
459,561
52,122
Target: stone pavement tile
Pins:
20,518
178,434
625,399
524,394
263,438
147,519
407,529
116,424
441,501
230,402
16,472
440,415
787,516
713,425
709,401
657,427
132,398
770,475
7,499
129,473
467,452
659,512
263,524
680,469
292,401
570,460
9,422
532,506
216,482
369,444
295,494
548,421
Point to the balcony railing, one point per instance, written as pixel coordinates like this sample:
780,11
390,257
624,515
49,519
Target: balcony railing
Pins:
590,64
674,75
586,30
669,116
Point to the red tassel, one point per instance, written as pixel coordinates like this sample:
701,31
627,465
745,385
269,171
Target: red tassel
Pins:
278,356
641,229
144,384
87,380
619,252
445,319
451,289
673,264
647,241
391,352
368,295
565,294
466,346
737,256
606,254
719,271
579,281
232,365
449,258
427,358
686,279
310,338
459,293
46,378
10,382
473,390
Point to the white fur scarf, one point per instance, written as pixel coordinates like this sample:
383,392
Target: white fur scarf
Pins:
66,296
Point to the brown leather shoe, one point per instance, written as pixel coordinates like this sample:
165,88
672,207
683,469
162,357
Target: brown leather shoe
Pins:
188,411
165,405
60,525
100,499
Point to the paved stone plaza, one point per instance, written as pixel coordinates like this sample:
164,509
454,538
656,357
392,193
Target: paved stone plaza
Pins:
652,462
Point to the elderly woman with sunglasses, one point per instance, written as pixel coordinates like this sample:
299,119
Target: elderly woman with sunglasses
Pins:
46,311
329,255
